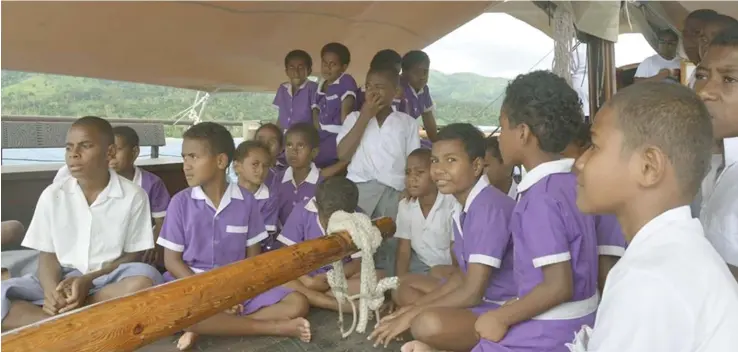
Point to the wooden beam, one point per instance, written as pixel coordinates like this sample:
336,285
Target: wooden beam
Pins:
127,323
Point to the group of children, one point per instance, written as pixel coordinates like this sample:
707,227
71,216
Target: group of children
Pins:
485,263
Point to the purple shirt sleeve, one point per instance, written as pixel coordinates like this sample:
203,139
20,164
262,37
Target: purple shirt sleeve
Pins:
610,239
348,87
269,212
159,199
293,230
256,231
278,97
487,237
172,235
543,232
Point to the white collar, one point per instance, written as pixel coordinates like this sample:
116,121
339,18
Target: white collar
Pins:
730,150
112,190
539,172
137,176
481,184
659,222
288,85
311,206
312,176
232,192
440,197
262,193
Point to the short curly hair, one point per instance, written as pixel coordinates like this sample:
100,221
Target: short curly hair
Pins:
339,49
306,130
218,138
300,55
246,147
386,57
547,105
336,193
471,137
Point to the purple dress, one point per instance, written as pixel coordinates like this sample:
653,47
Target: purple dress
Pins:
328,104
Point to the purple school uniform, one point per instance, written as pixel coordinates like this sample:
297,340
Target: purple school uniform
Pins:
155,189
328,104
269,211
288,194
398,104
303,225
547,228
295,109
418,103
209,238
481,236
610,239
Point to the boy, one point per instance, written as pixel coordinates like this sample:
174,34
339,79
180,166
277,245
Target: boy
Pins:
716,86
387,58
693,26
251,163
127,150
298,182
652,148
424,230
415,72
379,172
662,65
610,240
334,100
309,221
555,244
499,174
90,229
294,98
713,27
442,314
214,223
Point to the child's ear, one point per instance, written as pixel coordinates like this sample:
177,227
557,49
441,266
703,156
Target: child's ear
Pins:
478,166
653,166
222,161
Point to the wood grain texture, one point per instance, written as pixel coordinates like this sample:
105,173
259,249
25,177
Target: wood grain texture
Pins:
127,323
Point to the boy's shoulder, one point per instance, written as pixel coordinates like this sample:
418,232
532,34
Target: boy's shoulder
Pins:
491,198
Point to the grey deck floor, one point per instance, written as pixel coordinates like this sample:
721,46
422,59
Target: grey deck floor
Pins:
326,337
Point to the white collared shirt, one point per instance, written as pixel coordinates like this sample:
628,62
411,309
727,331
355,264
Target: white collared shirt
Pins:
383,151
719,213
312,177
86,237
670,292
430,237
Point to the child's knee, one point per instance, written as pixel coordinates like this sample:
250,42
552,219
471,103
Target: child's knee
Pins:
136,283
426,325
298,305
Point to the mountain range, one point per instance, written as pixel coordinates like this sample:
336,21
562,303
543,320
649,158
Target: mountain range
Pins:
461,97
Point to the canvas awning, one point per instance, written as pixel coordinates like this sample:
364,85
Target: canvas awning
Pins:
240,46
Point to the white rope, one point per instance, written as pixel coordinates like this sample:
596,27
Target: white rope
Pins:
564,37
367,238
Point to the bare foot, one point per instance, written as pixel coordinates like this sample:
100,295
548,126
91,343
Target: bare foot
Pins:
416,346
186,341
298,327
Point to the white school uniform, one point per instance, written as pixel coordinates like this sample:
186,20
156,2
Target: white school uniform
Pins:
430,237
719,212
86,237
670,292
383,151
652,65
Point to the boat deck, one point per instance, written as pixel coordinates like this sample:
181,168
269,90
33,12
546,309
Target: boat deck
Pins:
326,337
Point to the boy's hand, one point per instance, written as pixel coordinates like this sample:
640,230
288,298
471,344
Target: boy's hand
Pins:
75,291
154,255
372,105
53,301
489,327
235,310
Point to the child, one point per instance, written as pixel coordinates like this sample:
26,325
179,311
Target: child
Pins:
251,162
555,244
298,182
499,174
90,229
214,223
716,86
384,58
379,173
610,240
423,223
294,98
272,137
415,72
309,221
651,150
334,101
442,315
127,150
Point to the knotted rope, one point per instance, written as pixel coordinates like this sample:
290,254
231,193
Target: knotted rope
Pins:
564,36
367,238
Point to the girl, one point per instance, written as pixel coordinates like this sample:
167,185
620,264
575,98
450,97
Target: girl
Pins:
272,137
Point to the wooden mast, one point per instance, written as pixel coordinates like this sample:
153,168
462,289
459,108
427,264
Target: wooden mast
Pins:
127,323
601,69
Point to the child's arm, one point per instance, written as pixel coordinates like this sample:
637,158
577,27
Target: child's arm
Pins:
172,238
353,267
175,265
429,123
335,169
293,232
454,262
544,235
402,261
352,131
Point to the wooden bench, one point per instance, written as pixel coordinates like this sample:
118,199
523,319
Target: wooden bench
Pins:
53,134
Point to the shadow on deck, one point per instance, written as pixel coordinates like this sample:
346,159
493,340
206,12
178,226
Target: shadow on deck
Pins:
326,337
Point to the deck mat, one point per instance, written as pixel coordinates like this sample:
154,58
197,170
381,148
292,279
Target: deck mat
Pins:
326,337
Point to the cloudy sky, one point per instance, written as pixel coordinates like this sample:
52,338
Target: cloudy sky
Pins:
479,47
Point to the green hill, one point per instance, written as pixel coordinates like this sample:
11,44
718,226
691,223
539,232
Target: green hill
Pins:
458,97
